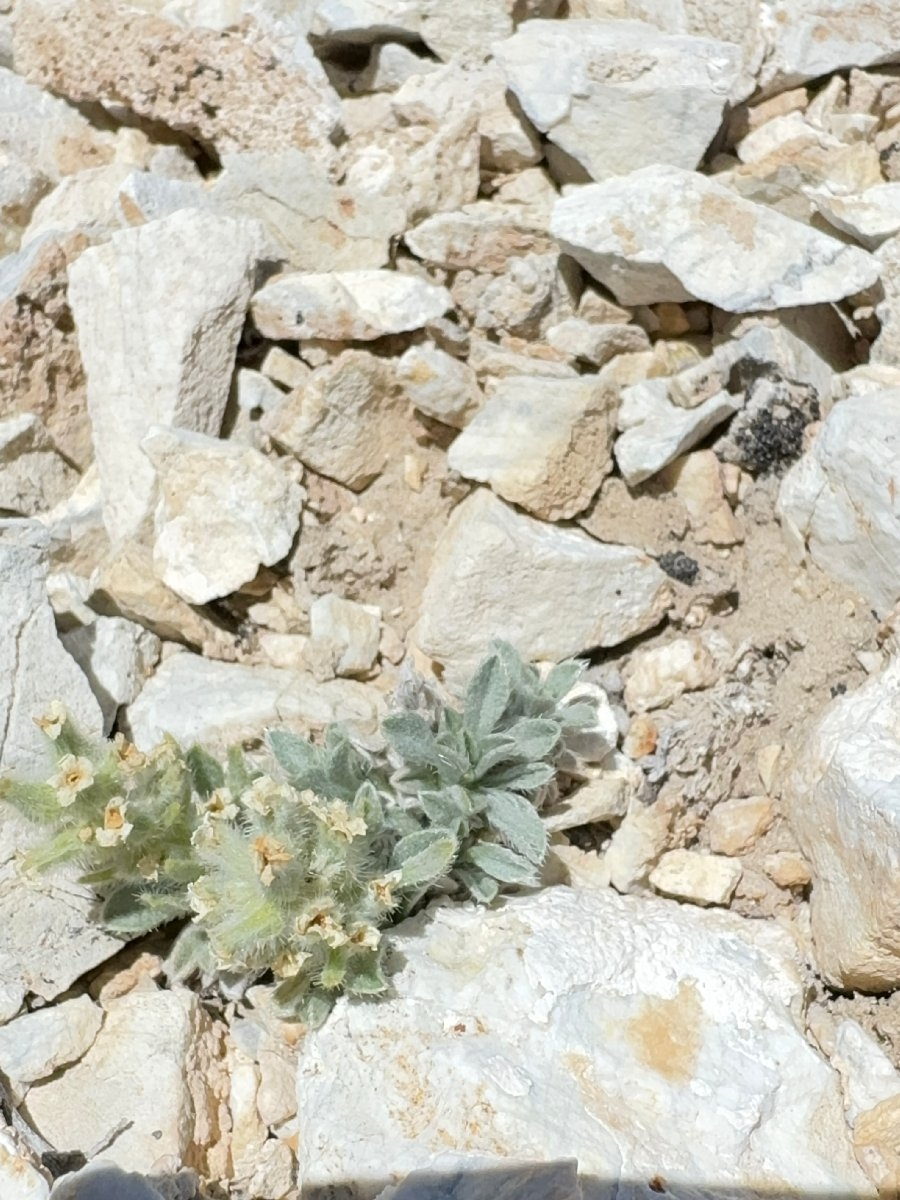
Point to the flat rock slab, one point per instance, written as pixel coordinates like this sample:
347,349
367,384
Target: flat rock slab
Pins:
839,504
551,592
843,802
219,703
595,87
640,1037
663,233
346,305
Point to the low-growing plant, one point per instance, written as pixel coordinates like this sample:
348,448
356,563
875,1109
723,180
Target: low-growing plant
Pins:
295,861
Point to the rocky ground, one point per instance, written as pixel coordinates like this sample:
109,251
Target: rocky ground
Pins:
339,337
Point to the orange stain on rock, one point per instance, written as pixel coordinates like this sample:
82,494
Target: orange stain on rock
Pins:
666,1035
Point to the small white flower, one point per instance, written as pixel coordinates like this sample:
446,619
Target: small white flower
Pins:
73,776
220,805
339,820
52,721
115,828
331,933
289,963
201,902
367,937
382,889
270,856
128,755
264,794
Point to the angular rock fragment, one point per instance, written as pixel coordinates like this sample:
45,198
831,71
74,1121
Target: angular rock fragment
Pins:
734,826
346,306
811,40
839,503
135,1070
497,573
870,217
117,656
40,365
596,344
34,667
219,703
483,236
315,225
439,385
21,187
698,878
159,310
659,675
343,421
238,87
654,432
842,800
696,480
19,1178
37,1044
594,87
543,444
703,1030
224,510
33,475
347,632
662,233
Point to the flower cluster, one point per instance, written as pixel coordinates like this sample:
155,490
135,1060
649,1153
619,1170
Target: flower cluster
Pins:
295,865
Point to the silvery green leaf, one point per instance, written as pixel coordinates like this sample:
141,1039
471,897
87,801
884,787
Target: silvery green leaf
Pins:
190,953
367,804
411,737
364,975
481,887
334,969
562,678
502,864
237,776
447,809
576,716
296,756
206,771
125,912
516,820
423,857
521,777
487,696
534,737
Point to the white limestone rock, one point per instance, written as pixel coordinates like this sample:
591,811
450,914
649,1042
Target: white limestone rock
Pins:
35,1045
219,703
594,87
871,217
697,878
224,510
498,573
654,431
667,234
886,347
135,1070
843,803
346,306
811,40
671,1040
467,28
543,444
439,385
21,187
314,224
838,504
484,236
347,632
734,826
342,421
158,310
34,667
117,656
656,676
34,477
596,344
19,1179
696,479
45,132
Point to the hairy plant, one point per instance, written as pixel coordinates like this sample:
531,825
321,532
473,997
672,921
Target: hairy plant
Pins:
296,864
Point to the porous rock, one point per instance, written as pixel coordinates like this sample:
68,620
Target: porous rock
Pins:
116,656
664,233
703,1075
241,87
33,474
496,572
439,385
35,1045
